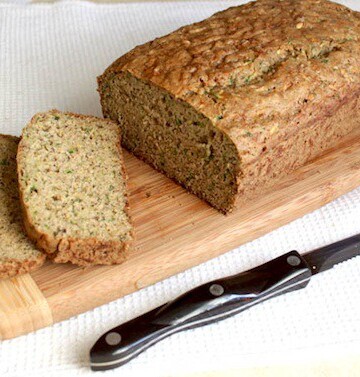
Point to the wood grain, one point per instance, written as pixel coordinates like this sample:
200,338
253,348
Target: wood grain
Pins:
23,307
175,231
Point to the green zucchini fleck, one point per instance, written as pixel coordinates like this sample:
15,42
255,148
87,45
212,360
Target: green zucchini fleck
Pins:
33,188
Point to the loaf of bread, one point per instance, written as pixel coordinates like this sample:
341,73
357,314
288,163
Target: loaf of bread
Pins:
228,105
17,253
73,189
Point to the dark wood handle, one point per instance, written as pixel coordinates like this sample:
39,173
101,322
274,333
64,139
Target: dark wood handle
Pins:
205,304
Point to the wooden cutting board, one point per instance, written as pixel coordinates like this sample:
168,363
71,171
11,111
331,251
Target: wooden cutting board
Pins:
174,231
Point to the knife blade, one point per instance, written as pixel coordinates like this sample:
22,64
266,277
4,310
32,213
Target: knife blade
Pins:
217,300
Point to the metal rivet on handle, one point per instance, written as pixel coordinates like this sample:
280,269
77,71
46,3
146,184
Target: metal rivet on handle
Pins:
113,338
216,289
293,260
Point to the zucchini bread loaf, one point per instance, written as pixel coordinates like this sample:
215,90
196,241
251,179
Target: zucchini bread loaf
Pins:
73,189
228,105
17,253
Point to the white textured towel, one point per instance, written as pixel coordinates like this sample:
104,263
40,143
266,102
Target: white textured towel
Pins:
50,57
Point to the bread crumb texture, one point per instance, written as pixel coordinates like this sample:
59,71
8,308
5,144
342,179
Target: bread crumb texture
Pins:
17,253
73,188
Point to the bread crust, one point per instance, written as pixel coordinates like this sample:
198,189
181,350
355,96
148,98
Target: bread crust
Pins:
14,267
82,252
258,88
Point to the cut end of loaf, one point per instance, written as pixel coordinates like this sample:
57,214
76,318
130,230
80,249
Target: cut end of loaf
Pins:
174,138
73,188
17,253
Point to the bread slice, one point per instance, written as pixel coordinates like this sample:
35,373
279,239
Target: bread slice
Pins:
17,253
73,188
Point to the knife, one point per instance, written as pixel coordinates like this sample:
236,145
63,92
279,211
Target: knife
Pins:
217,300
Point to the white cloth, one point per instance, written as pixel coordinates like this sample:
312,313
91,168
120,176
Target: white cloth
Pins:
15,1
50,57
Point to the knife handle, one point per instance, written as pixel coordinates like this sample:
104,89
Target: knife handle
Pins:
202,305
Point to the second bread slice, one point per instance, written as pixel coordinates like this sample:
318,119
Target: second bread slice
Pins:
17,253
73,188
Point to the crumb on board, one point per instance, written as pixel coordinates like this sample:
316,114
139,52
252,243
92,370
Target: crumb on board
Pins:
148,194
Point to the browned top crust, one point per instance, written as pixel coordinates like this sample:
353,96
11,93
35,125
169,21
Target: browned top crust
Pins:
257,70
